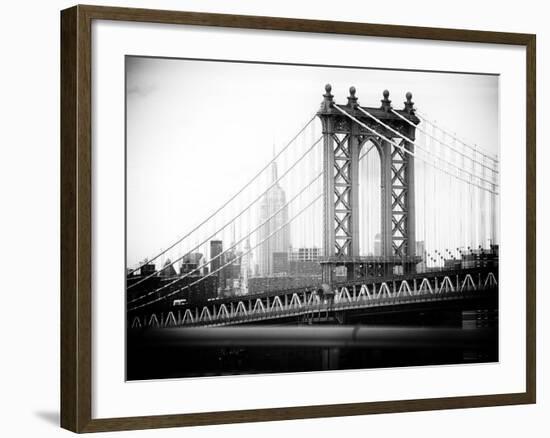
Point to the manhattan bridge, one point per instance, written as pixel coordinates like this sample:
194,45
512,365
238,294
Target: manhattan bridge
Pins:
366,211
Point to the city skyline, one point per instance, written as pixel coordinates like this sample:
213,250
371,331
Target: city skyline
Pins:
151,200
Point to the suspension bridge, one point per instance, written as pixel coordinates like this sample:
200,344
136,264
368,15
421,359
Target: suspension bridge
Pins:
365,211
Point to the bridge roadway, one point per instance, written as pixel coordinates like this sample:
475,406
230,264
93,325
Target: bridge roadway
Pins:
427,290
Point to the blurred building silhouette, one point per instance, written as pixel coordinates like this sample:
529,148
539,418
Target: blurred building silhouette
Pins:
168,270
191,262
304,261
276,235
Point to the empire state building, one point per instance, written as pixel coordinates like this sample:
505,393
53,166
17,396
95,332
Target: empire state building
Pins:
279,242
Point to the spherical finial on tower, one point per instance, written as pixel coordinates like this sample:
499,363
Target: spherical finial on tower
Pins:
409,104
386,103
327,98
352,99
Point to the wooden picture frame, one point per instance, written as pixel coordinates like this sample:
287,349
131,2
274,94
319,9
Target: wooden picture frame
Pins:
76,217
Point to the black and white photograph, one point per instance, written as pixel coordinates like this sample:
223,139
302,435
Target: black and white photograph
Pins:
274,219
305,218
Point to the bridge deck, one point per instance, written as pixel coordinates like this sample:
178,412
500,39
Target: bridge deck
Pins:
436,288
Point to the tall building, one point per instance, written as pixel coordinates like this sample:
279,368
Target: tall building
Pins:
216,248
190,263
273,201
231,271
246,268
421,251
378,245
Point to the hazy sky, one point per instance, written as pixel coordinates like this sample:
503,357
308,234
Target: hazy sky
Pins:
198,130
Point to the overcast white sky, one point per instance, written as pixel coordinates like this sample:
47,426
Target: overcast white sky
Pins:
198,130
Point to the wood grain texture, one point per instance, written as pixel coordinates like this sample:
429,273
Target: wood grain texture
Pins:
69,328
76,222
299,25
531,219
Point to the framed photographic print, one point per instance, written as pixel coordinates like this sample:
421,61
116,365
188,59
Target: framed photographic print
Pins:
338,215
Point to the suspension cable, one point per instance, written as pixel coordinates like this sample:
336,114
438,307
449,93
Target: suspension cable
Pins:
492,169
454,137
227,264
198,245
406,150
229,200
198,268
404,137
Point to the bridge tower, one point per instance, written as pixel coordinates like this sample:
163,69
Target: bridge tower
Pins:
343,141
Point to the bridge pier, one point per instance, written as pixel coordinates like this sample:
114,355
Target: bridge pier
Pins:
343,139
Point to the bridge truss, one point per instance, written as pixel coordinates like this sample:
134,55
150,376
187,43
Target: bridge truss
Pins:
311,305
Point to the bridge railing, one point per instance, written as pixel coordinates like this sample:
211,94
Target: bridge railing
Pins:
313,306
